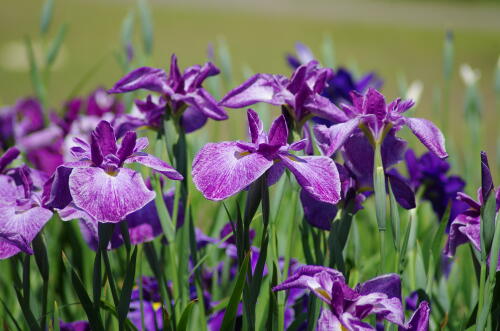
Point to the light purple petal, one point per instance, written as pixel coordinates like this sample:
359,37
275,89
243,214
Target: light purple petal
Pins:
19,228
108,198
428,134
223,169
332,138
328,321
156,164
255,126
8,190
142,78
318,175
259,88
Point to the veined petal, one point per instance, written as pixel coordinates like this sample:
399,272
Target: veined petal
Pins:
156,164
18,229
255,126
374,103
142,78
259,88
8,190
108,198
205,103
318,175
328,321
223,169
428,134
330,139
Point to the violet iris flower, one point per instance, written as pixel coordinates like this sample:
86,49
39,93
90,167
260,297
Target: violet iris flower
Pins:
430,173
466,227
348,307
370,114
223,169
301,94
22,216
74,326
339,87
183,94
98,183
19,120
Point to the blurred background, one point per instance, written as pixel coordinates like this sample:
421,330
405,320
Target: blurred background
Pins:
401,41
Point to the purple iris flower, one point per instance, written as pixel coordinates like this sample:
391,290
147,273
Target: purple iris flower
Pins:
370,113
22,216
98,183
466,227
347,307
339,87
430,173
300,94
183,94
223,169
19,120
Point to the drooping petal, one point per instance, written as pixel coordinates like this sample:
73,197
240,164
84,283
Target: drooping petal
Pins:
156,164
324,108
223,169
142,78
428,134
332,138
259,88
389,284
278,134
317,213
318,175
419,321
56,193
19,228
202,101
378,303
108,198
274,173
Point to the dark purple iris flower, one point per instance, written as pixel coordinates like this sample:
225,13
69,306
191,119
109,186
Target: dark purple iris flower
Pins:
466,227
370,114
98,183
300,94
339,87
183,94
347,307
74,326
223,169
430,173
22,216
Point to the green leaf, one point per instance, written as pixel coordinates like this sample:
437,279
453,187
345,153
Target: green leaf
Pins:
81,292
36,79
109,308
46,18
128,284
395,220
42,261
55,46
11,316
404,244
328,50
146,26
232,307
437,240
488,215
186,314
127,29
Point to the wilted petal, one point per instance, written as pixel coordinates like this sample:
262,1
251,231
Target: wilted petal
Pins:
428,134
259,88
318,175
19,228
223,169
317,213
108,198
332,138
402,189
419,321
142,78
156,164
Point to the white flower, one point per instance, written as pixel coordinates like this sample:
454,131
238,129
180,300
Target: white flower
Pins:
469,76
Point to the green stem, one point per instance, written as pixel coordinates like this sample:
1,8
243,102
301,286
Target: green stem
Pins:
380,199
482,281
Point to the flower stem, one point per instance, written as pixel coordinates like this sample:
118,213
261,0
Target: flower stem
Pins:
380,200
